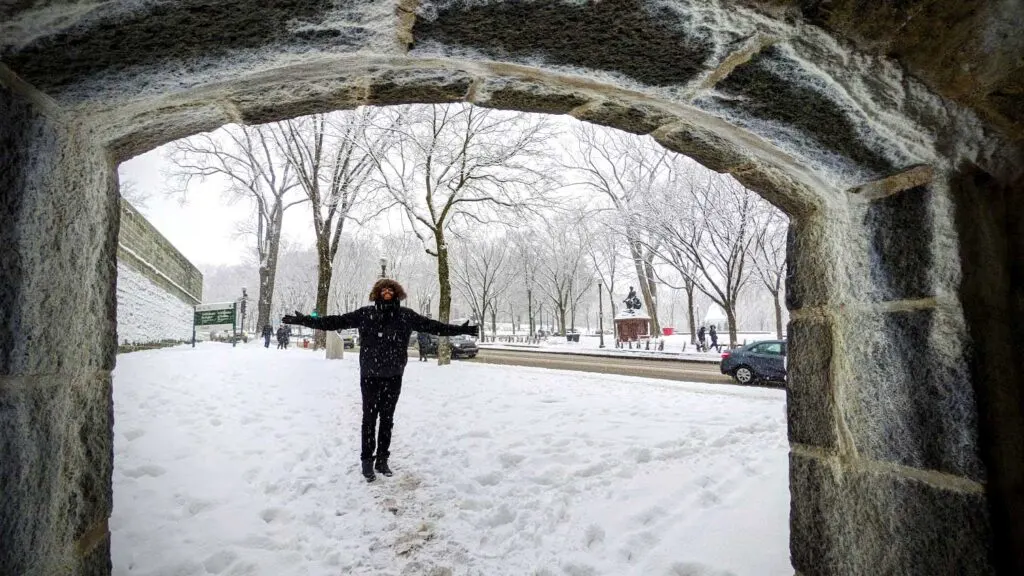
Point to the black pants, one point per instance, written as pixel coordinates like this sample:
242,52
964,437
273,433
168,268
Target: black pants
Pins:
380,396
266,341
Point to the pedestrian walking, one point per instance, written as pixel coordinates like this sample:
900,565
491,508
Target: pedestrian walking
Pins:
713,334
701,342
268,331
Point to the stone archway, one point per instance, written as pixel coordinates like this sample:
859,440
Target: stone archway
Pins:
904,286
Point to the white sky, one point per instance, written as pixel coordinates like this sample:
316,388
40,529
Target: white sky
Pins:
204,229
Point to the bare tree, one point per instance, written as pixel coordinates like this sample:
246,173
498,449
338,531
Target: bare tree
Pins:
563,277
133,193
247,158
457,164
355,268
672,255
526,265
625,169
710,220
770,258
294,288
331,157
480,274
604,248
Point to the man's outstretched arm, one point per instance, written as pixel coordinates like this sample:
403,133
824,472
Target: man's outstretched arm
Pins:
343,322
424,324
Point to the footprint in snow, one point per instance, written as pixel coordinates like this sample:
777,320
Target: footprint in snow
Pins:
219,561
275,516
151,470
133,435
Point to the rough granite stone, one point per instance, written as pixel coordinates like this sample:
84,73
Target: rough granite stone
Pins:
672,53
527,96
810,396
900,232
909,399
633,118
55,479
858,522
773,87
58,204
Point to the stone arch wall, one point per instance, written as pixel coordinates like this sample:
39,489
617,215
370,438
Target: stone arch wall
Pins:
905,439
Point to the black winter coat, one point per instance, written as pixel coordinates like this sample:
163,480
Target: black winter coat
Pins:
384,333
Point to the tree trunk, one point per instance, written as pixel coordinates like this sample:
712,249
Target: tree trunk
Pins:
652,288
512,316
323,290
611,302
730,315
494,323
645,288
778,315
268,268
444,305
690,316
561,318
529,313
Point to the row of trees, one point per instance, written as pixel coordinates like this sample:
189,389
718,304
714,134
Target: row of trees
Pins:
494,200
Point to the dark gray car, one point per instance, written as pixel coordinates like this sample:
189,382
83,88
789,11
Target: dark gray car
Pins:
760,361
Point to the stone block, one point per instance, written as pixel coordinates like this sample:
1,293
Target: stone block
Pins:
848,521
674,49
527,96
809,393
418,87
58,227
812,244
909,397
626,116
56,461
900,252
711,149
774,88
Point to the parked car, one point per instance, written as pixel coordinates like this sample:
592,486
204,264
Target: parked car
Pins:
757,362
462,346
349,338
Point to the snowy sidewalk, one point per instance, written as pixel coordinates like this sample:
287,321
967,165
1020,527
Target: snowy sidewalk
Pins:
244,461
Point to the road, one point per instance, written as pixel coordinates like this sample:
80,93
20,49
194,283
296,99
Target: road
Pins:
665,369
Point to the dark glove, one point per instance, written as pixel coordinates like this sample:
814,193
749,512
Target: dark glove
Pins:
468,330
299,318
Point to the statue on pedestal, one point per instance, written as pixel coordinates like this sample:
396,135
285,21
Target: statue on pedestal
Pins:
632,302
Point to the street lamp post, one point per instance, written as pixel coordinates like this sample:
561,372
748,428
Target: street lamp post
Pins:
600,315
383,267
245,300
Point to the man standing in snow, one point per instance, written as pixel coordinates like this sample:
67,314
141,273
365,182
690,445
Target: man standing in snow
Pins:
424,342
701,343
384,331
268,331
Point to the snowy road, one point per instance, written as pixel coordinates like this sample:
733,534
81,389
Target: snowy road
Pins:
664,369
244,462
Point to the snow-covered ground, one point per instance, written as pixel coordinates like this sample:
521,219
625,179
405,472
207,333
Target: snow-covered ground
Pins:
244,461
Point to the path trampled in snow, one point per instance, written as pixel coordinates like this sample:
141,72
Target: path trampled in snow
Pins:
244,461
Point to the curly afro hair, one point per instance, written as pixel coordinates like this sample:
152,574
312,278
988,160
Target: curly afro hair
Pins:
396,288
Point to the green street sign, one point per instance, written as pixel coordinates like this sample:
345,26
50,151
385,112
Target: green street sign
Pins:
214,317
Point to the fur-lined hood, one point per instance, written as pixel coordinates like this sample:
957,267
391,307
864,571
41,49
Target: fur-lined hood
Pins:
387,283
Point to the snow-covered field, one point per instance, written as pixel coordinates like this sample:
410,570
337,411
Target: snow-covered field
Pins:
244,461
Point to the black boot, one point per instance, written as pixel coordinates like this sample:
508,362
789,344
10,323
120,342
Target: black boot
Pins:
368,471
382,467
